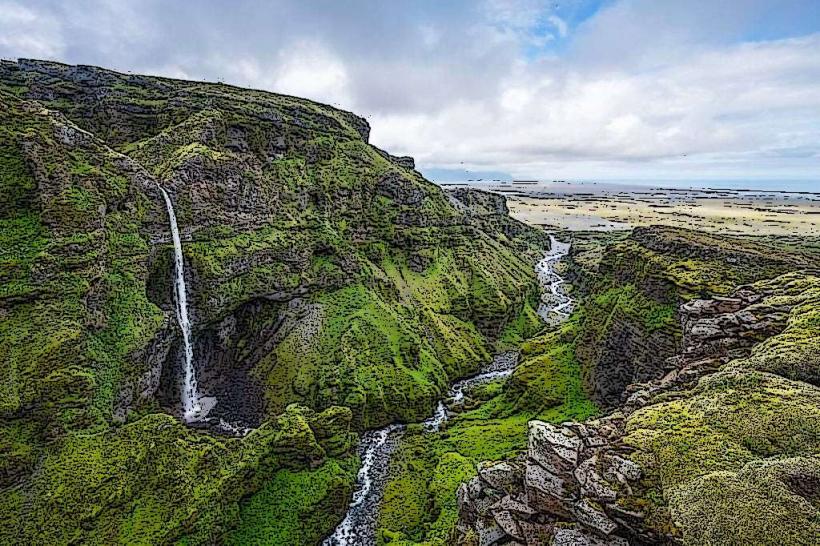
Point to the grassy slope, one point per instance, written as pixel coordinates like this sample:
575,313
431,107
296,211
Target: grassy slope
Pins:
293,508
154,480
59,352
302,202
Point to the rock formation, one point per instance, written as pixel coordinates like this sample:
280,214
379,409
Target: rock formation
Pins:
588,483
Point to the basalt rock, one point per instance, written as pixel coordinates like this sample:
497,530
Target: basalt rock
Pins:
572,487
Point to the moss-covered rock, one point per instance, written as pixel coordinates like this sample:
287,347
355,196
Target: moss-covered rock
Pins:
765,502
734,460
320,271
152,481
632,288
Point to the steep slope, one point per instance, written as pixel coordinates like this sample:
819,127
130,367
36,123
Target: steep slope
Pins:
320,270
719,446
630,319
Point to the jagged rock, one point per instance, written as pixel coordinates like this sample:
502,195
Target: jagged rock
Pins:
536,534
620,469
511,504
506,521
502,476
405,161
554,448
578,473
716,306
592,484
594,517
575,537
546,491
489,532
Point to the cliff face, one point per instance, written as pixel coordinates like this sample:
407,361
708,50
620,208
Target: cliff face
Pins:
320,271
720,446
631,321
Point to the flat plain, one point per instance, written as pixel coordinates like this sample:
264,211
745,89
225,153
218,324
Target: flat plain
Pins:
605,207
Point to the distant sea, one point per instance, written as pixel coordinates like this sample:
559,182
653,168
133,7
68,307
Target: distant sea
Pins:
573,186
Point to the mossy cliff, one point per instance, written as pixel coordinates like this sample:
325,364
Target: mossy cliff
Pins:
321,271
720,446
632,290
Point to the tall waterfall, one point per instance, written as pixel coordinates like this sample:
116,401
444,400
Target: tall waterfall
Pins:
190,396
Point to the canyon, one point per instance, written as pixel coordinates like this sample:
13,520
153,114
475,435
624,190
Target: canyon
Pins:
227,318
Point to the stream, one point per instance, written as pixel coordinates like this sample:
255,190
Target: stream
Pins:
376,446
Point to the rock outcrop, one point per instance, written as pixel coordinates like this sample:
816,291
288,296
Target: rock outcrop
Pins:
633,324
610,481
565,490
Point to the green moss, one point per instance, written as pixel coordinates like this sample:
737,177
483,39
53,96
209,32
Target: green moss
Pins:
795,352
16,184
155,480
525,326
296,507
390,350
420,498
730,419
692,449
549,375
629,301
763,503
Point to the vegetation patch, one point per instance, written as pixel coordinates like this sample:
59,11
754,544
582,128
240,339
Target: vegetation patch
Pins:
420,506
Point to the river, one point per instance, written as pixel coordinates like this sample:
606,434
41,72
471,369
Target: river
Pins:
376,446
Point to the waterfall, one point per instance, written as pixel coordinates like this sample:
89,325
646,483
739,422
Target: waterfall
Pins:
190,397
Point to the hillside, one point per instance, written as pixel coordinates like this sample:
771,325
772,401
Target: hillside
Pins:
701,351
320,271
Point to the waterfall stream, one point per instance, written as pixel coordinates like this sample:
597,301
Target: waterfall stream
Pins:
191,400
376,446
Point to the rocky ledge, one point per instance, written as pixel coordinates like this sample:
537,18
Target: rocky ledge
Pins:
565,490
582,483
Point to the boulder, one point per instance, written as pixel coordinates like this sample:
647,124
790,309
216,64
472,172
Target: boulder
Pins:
555,448
502,476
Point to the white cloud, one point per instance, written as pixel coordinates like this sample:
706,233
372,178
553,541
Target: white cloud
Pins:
27,32
309,70
742,102
559,24
641,88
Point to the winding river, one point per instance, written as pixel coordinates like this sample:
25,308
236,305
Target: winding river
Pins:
376,446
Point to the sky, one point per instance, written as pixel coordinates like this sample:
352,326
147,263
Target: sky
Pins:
638,90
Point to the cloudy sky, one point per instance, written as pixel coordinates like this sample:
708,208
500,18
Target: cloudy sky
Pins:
647,90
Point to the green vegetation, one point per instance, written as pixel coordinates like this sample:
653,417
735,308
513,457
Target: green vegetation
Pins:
155,480
428,467
320,269
705,454
296,507
421,323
